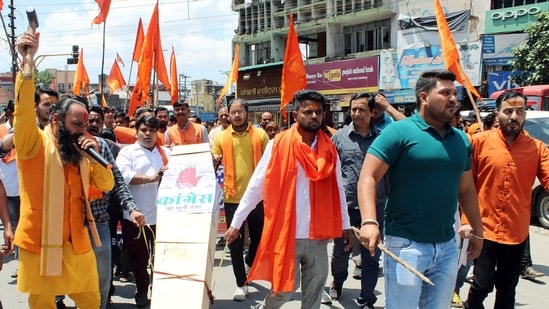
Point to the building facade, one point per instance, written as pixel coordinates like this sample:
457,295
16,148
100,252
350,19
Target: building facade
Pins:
351,46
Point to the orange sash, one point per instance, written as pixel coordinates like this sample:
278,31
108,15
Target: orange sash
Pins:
275,258
228,159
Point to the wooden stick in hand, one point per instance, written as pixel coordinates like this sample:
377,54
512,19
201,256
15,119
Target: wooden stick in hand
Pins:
397,259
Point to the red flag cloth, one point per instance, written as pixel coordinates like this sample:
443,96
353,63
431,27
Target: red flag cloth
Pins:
140,92
293,70
119,59
139,38
1,5
115,79
174,78
81,79
104,7
232,77
449,50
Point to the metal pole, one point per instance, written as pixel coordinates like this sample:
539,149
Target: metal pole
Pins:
101,90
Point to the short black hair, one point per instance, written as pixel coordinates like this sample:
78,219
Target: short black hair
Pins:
180,103
121,114
362,95
310,95
46,90
237,101
149,120
489,120
428,80
160,108
10,107
97,109
509,95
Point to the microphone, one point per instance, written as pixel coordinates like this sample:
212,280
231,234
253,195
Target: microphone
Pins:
94,154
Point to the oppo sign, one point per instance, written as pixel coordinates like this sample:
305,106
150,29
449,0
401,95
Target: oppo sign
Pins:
514,14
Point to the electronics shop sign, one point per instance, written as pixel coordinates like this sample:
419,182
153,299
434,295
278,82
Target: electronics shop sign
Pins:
513,18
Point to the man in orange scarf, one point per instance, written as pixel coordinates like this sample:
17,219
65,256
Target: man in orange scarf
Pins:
240,147
299,179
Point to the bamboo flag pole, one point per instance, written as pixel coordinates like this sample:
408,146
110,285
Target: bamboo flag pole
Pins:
397,259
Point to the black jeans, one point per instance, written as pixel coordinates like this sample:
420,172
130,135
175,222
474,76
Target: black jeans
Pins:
498,265
526,257
255,227
139,249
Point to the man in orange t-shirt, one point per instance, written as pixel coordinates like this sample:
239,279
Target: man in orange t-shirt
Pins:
506,162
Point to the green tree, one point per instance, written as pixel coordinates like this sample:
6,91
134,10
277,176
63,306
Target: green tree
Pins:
532,56
44,77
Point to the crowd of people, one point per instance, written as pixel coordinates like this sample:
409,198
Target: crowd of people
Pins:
440,192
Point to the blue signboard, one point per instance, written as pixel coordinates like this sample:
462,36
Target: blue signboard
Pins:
500,80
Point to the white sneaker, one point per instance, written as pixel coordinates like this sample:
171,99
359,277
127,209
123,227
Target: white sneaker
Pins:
240,293
326,299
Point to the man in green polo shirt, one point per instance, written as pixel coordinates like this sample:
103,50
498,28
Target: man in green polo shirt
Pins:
429,168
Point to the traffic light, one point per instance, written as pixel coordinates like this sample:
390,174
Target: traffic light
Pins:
75,54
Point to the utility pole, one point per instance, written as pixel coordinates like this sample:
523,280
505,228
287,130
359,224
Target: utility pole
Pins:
184,77
14,67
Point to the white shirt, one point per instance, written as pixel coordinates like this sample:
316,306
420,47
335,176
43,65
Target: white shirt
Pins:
254,194
133,160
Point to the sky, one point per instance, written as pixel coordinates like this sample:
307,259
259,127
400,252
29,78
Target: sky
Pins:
199,30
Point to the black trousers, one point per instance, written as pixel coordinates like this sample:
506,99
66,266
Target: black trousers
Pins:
255,227
498,265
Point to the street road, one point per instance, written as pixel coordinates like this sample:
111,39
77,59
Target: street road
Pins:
530,294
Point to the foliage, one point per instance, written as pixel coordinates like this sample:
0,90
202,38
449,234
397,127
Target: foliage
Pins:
532,56
44,77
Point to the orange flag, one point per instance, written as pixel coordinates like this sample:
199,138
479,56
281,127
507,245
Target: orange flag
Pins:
159,62
139,38
115,79
232,77
293,70
1,5
173,77
81,79
104,7
140,92
449,50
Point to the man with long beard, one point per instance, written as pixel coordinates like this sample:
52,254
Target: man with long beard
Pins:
55,176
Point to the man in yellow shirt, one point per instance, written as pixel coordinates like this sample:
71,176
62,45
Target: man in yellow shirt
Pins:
240,147
55,177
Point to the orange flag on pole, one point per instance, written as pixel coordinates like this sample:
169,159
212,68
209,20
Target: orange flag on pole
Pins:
293,70
115,79
449,50
174,91
139,38
81,79
140,92
232,77
104,7
159,62
1,5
